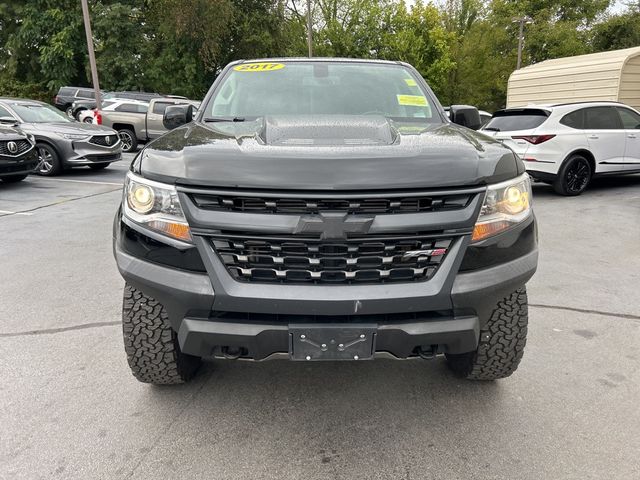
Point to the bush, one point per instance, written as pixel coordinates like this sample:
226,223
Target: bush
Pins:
33,91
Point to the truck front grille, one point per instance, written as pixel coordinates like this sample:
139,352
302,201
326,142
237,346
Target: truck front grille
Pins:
356,205
309,260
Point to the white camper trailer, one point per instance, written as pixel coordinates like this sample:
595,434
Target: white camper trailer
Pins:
611,76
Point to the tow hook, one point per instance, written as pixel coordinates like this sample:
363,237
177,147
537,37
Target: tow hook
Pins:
231,353
428,353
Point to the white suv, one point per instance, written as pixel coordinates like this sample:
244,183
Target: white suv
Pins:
566,145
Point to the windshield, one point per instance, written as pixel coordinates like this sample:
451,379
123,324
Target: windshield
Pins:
35,113
251,90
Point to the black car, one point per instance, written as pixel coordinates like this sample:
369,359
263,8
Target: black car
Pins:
322,209
18,155
81,105
67,95
61,142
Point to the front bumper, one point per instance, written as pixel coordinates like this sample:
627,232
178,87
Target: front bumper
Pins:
19,165
447,311
80,153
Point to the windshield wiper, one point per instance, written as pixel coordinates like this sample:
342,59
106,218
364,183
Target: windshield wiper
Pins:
222,119
492,129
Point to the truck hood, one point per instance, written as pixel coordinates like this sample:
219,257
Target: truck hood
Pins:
326,153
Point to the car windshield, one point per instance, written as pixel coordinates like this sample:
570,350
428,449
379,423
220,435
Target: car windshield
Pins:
256,89
36,113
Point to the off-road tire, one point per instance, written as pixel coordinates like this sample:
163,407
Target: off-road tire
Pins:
99,166
502,342
13,178
562,184
151,345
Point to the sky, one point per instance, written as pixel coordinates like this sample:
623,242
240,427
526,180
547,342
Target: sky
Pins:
616,7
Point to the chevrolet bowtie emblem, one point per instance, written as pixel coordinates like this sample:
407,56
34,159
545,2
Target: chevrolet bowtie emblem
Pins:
333,226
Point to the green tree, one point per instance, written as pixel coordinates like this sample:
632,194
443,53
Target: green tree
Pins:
620,31
418,37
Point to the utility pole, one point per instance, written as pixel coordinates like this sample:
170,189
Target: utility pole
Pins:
309,31
92,55
524,20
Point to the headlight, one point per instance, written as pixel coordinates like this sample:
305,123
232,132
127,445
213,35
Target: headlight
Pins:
155,206
505,205
75,136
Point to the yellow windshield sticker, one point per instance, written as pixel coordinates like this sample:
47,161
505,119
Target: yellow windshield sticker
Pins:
412,100
258,67
411,82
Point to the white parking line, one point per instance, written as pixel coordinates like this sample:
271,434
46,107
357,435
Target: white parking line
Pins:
7,212
80,181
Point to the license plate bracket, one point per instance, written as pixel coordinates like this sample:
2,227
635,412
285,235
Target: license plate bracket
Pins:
319,342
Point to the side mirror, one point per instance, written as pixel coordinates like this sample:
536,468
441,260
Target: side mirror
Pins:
466,115
176,115
8,121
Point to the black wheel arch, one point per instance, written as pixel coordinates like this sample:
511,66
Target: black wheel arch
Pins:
583,152
124,126
51,145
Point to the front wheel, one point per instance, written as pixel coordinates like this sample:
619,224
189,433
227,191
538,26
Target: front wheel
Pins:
502,342
574,176
49,161
151,344
128,139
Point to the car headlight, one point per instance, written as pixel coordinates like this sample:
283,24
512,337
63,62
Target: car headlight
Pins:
155,206
75,136
506,204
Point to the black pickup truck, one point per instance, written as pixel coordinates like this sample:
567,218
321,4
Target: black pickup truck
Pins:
323,209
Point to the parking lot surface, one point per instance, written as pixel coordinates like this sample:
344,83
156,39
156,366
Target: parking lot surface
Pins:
69,407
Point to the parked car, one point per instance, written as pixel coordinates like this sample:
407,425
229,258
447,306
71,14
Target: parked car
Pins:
136,127
67,95
61,142
116,105
568,144
82,105
18,155
324,209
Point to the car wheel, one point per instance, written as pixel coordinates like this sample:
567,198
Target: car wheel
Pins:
501,345
98,166
88,120
152,348
574,176
77,115
128,139
69,111
49,161
13,178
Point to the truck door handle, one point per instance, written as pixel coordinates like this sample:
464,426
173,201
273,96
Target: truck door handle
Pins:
631,135
594,137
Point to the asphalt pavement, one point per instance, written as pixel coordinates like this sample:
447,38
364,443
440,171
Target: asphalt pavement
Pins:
70,409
